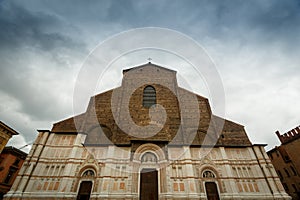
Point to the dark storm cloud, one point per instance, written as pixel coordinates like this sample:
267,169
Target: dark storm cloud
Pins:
23,36
254,43
219,19
277,15
22,27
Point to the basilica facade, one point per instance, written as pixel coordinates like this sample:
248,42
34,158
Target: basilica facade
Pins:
147,139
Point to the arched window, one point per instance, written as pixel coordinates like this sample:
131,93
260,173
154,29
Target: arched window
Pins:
149,96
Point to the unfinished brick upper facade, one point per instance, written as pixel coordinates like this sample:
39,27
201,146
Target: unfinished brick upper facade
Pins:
233,134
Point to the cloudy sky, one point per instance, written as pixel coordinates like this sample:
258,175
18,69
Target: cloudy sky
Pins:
255,46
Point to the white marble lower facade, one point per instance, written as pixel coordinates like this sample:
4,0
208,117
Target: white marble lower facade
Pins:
59,164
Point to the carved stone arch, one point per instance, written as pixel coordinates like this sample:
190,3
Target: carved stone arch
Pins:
149,160
149,147
81,178
208,167
90,163
215,171
149,157
86,168
86,182
88,173
208,174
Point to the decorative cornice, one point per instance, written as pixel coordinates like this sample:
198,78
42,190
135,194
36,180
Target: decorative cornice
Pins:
8,129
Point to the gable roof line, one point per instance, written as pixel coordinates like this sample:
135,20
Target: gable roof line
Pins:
192,92
228,120
72,117
149,63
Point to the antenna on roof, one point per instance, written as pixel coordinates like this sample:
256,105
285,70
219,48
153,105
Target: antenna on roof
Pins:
22,147
149,59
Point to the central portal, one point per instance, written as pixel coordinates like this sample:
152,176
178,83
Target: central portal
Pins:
149,184
212,191
85,190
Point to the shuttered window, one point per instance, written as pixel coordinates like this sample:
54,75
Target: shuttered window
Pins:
149,97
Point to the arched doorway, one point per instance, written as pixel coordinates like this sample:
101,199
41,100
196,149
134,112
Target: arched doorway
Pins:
149,158
211,191
85,190
149,184
86,184
211,188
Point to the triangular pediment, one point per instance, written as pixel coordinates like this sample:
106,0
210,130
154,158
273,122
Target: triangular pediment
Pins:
147,65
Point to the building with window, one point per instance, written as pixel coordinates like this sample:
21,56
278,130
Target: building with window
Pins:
286,161
6,133
11,160
147,139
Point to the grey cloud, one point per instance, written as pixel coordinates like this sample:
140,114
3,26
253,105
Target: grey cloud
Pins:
42,43
31,45
39,30
230,20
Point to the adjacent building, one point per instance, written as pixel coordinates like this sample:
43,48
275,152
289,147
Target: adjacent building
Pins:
11,160
286,161
147,139
5,134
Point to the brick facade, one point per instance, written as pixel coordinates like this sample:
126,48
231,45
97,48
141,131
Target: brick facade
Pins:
102,153
11,160
6,133
286,161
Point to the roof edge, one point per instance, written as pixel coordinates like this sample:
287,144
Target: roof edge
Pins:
149,63
6,127
14,150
